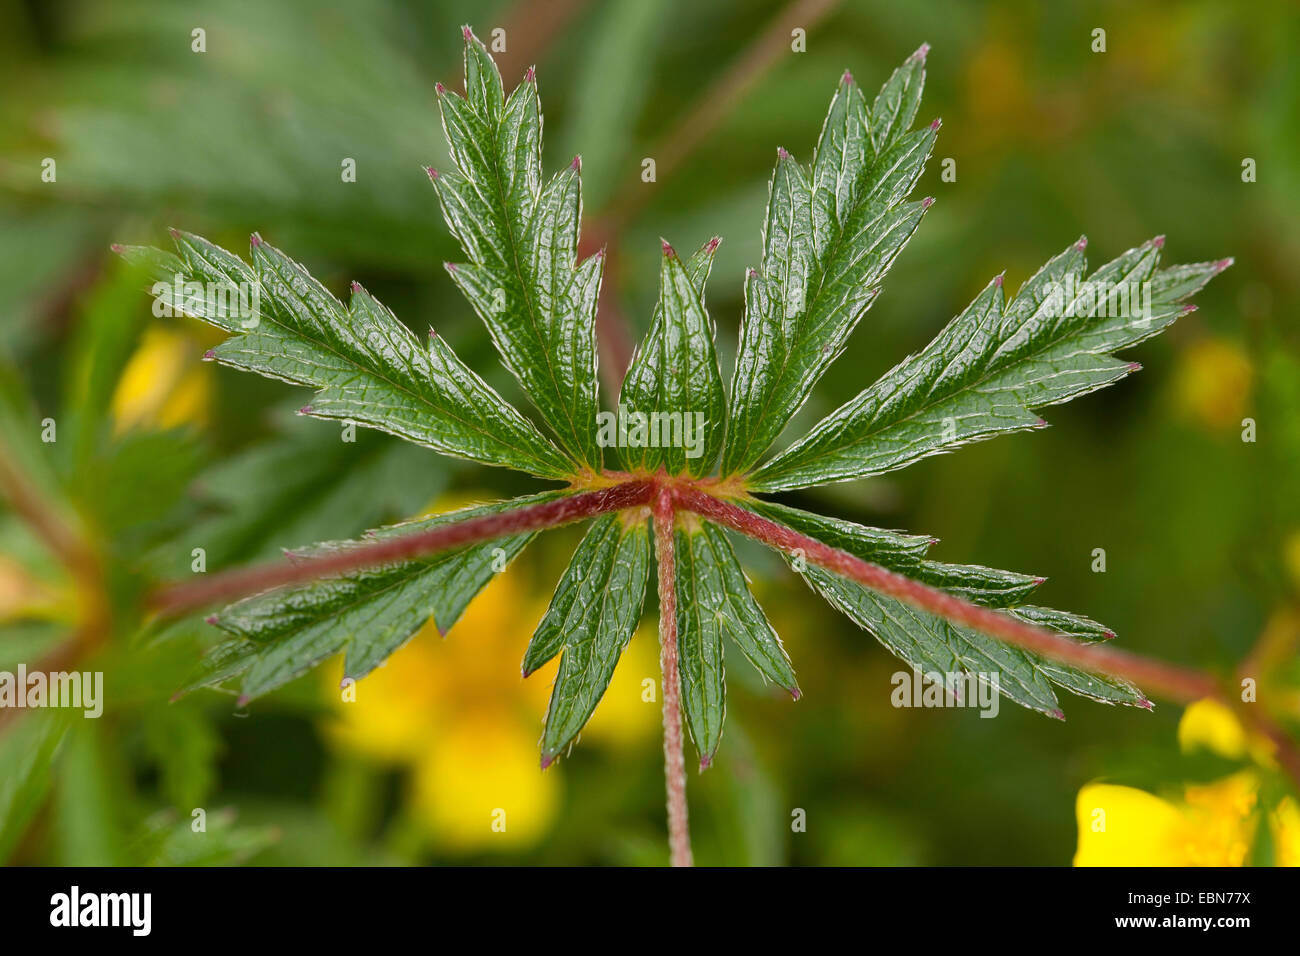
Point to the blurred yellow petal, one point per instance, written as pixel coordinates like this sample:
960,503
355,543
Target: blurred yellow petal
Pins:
1210,725
163,384
1123,826
1285,824
387,714
432,682
479,787
1212,383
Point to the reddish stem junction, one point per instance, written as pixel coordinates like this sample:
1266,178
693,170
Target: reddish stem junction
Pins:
664,496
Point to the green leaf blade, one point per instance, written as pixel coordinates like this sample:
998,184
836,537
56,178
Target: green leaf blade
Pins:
700,655
367,366
591,619
994,363
674,387
370,613
521,237
831,233
716,606
932,645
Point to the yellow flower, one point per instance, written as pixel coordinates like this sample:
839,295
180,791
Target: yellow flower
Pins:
1210,725
1285,823
1213,382
457,712
163,384
1212,824
1124,826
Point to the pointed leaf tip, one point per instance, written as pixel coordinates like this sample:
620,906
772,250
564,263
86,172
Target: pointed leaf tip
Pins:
1146,704
116,248
795,693
781,153
440,89
999,278
356,286
668,250
210,619
847,78
173,232
936,122
467,33
305,410
1041,423
927,202
547,760
530,75
921,52
1135,366
577,162
255,240
1058,714
1189,308
1158,242
705,763
431,173
712,244
242,701
209,355
1081,244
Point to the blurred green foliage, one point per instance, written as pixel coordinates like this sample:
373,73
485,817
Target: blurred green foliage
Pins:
1051,140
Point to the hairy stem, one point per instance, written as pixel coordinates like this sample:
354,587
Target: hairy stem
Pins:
1167,680
679,833
548,514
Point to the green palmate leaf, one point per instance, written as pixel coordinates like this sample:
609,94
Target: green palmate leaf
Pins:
831,233
672,398
714,604
931,644
591,619
833,228
995,362
368,366
521,237
370,613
